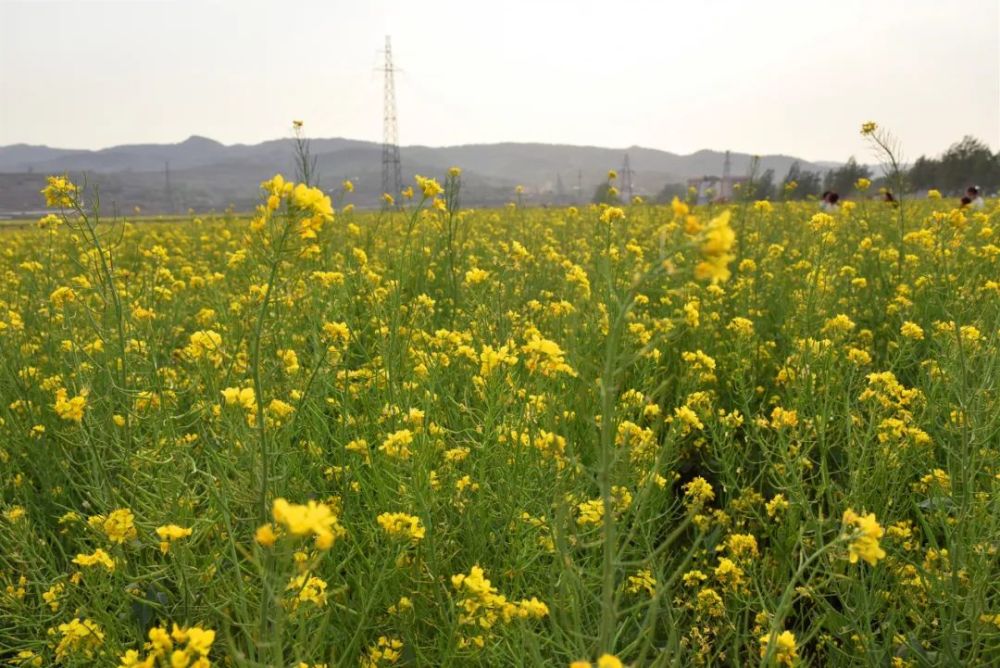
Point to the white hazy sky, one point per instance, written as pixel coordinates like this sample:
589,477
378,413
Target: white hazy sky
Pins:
771,76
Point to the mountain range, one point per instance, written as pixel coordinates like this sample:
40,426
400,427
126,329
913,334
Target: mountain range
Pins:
204,175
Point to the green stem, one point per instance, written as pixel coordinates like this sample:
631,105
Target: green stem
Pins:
258,387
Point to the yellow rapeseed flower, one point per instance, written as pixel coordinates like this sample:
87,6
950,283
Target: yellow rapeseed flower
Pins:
864,532
97,558
59,192
79,637
169,533
717,244
70,408
429,187
402,525
312,518
785,650
611,214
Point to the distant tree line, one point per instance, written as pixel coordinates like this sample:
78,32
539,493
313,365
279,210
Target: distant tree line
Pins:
967,162
802,184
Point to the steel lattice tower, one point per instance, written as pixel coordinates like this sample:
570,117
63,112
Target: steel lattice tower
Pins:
626,176
392,172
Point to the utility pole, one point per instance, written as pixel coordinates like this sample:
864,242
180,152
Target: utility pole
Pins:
392,172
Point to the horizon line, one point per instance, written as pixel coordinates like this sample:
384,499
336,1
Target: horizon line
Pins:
428,146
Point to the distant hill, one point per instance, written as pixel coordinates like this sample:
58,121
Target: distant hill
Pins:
206,175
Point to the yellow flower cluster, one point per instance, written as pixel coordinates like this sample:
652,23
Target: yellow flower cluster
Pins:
612,214
592,512
70,408
169,533
307,205
716,249
118,526
305,589
429,187
864,533
397,444
309,519
181,647
481,607
643,580
385,651
59,192
245,397
698,492
78,638
785,650
98,558
401,525
546,357
205,344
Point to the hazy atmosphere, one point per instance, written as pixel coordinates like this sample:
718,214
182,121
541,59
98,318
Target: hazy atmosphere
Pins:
766,77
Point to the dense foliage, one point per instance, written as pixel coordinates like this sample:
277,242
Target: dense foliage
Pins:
648,435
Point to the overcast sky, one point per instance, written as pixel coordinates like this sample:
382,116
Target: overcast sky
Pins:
796,77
